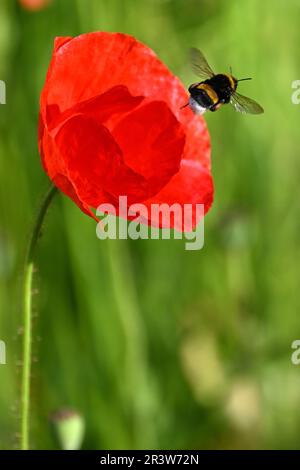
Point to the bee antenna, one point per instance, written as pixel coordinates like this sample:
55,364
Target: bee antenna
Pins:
243,79
185,105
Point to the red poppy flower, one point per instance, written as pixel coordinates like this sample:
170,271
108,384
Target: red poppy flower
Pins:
111,125
34,5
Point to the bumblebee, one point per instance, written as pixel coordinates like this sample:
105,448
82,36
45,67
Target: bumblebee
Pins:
216,89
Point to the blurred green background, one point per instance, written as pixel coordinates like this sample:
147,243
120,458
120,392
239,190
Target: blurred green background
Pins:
156,346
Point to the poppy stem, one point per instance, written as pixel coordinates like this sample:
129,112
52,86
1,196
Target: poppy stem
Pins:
27,319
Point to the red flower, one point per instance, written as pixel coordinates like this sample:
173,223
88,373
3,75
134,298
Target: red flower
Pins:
34,5
111,125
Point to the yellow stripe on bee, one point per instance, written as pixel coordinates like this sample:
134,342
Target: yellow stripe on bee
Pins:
231,80
211,93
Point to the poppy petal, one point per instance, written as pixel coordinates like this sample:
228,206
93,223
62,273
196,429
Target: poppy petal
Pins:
152,142
94,162
92,63
34,5
192,185
106,108
197,143
65,185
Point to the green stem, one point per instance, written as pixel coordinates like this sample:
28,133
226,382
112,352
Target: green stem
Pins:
27,321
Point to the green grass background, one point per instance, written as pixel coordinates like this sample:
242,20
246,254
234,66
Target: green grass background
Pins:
156,346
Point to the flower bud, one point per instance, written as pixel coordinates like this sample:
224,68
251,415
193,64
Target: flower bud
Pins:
69,427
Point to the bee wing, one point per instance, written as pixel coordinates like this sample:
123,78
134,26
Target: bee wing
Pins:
245,105
199,64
